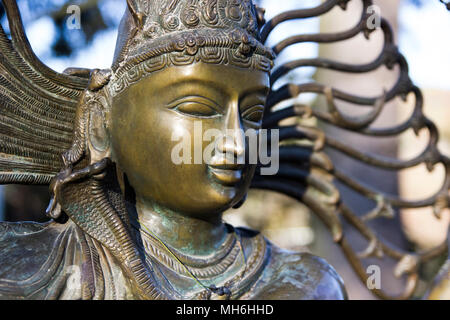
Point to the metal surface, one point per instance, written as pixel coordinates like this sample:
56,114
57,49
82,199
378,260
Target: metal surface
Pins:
113,129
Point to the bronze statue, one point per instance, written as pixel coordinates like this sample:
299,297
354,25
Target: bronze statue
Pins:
129,223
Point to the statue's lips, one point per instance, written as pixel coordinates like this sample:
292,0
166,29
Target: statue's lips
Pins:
228,175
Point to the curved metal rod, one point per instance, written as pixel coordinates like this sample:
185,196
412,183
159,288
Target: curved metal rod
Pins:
320,180
329,65
289,91
272,118
353,122
415,122
297,156
305,156
313,134
411,284
390,199
302,154
299,192
408,262
388,56
297,14
430,154
329,37
387,249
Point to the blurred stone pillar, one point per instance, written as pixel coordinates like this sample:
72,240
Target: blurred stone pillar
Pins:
421,226
360,51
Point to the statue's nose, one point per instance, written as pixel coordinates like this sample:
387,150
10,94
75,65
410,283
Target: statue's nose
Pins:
233,143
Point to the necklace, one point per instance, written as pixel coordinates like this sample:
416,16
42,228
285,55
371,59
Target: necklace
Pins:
229,252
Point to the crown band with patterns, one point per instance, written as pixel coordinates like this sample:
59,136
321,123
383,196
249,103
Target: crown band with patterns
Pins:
156,34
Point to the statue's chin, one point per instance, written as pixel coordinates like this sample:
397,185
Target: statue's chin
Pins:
208,196
211,206
214,203
221,197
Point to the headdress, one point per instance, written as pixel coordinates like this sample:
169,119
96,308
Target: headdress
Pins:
156,34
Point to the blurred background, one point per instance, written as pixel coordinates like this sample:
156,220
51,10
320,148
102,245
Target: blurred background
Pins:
421,29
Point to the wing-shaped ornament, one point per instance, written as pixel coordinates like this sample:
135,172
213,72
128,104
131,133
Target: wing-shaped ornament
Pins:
37,109
306,172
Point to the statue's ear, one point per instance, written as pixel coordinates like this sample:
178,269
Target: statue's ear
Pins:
91,136
98,138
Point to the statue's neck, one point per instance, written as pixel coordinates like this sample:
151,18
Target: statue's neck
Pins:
188,235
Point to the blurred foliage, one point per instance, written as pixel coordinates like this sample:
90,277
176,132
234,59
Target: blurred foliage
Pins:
91,22
96,16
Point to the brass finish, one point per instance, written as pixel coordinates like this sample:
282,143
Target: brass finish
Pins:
128,223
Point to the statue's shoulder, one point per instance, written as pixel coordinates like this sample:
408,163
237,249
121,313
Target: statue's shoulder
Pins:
23,244
56,261
32,257
299,276
30,236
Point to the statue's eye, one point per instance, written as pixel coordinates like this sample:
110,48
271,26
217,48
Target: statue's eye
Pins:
196,107
254,114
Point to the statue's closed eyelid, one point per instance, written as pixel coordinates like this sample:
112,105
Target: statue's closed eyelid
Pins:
252,107
196,106
253,113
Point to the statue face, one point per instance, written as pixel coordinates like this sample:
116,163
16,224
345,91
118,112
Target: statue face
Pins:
150,117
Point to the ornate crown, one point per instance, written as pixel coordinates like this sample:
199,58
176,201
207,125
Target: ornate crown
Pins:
157,33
